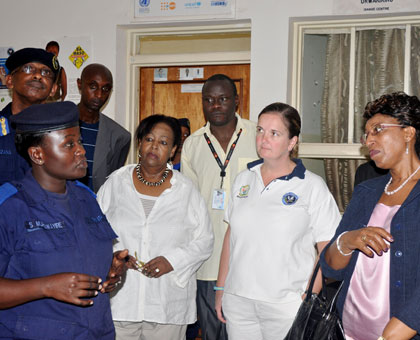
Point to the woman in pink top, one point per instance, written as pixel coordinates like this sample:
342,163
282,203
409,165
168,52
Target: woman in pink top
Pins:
376,249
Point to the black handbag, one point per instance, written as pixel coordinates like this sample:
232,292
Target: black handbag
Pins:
317,317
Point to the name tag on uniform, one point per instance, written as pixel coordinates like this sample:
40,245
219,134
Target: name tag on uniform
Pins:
37,225
218,199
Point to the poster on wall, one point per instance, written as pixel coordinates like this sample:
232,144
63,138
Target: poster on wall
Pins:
374,6
5,94
78,57
183,9
75,53
190,73
160,74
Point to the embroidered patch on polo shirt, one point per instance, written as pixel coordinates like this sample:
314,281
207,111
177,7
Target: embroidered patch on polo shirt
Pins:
243,191
289,198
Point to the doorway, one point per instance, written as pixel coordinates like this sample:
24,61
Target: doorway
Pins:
180,96
195,45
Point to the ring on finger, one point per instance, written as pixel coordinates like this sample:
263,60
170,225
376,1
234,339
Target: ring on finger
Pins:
157,270
364,238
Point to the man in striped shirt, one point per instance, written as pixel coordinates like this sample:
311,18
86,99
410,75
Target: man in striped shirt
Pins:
106,142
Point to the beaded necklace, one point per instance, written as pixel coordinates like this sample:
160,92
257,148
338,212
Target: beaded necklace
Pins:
146,182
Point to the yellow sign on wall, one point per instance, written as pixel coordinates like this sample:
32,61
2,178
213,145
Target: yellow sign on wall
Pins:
78,57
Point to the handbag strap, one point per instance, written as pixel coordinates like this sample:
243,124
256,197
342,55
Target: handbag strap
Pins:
323,291
332,302
311,284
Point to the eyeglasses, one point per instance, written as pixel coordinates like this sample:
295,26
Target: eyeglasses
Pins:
377,129
29,69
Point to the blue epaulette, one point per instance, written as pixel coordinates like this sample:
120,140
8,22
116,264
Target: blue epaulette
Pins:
6,190
80,184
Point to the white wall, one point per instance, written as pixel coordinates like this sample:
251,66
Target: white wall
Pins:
26,23
269,44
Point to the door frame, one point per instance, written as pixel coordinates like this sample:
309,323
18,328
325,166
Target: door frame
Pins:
128,49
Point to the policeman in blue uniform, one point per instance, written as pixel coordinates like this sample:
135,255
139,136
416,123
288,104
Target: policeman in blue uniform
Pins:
56,255
31,78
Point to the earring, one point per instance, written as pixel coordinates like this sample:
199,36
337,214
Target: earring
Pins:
406,148
139,155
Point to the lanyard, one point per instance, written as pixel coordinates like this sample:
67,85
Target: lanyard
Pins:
216,156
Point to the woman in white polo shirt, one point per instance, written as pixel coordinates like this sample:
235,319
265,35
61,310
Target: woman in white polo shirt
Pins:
280,215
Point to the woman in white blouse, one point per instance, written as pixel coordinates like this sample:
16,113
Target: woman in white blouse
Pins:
160,216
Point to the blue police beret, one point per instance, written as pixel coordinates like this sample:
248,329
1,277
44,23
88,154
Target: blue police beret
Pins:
31,55
41,118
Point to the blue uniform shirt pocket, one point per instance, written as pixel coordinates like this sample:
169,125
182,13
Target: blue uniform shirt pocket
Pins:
100,228
32,327
46,236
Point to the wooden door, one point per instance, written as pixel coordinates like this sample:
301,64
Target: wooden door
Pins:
182,98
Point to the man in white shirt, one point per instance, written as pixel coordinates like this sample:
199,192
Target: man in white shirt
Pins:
212,157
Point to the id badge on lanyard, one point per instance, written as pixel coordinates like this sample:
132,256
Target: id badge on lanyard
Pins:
218,202
219,195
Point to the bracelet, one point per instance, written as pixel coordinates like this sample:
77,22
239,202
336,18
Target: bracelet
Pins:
218,288
381,338
337,242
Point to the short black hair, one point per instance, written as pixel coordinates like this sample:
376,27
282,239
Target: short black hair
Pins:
51,44
185,122
222,77
148,123
289,114
96,68
398,105
24,141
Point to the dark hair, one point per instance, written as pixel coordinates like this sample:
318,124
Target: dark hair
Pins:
95,68
398,105
222,77
51,44
289,115
185,122
147,124
25,140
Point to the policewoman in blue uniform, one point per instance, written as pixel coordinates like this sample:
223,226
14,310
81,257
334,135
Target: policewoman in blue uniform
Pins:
56,261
